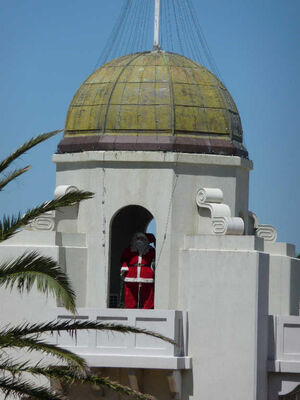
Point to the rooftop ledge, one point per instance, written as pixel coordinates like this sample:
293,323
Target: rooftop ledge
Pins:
152,157
119,350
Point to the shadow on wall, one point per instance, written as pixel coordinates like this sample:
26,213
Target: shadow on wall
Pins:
124,224
295,288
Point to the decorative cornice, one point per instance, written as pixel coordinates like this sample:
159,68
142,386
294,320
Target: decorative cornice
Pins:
164,158
151,142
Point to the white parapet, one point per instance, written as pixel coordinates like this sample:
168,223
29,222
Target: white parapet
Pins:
284,344
112,349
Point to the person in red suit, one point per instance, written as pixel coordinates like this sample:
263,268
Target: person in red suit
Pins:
138,272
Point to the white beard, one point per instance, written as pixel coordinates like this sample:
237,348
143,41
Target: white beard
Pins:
140,246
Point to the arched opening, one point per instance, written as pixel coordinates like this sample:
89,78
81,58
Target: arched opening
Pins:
125,223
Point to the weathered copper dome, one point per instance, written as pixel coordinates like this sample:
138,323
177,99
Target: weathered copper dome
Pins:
153,101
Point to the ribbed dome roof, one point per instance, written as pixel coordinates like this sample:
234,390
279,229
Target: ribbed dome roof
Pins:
153,101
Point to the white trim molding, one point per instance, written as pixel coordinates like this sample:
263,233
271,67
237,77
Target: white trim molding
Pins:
139,280
222,221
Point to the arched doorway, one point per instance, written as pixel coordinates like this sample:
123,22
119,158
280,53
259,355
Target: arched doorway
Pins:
125,223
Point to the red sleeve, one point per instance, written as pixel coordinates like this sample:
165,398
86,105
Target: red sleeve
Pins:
125,256
152,254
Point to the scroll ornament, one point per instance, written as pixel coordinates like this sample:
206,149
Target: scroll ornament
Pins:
61,190
267,232
222,221
46,221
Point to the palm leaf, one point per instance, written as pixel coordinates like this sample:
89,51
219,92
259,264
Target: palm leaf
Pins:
29,268
12,175
12,366
18,388
73,326
10,225
70,376
33,343
65,375
25,147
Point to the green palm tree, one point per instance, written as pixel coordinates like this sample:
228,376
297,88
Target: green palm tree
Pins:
31,269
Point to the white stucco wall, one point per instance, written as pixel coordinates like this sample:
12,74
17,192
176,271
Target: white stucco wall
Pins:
164,183
224,288
284,290
228,284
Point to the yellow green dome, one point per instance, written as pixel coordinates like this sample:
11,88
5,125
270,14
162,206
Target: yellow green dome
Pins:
153,101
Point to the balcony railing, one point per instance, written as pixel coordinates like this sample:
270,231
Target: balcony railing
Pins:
113,349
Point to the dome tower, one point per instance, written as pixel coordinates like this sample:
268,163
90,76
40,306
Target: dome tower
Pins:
157,136
153,101
148,130
154,135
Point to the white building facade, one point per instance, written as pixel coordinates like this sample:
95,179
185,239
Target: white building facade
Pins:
156,136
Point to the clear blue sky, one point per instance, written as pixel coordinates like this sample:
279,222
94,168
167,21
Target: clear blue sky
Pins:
49,47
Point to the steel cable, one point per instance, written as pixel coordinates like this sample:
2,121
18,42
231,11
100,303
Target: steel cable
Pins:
138,23
117,51
148,41
168,19
177,27
132,32
197,53
113,36
185,29
201,38
180,31
143,26
165,22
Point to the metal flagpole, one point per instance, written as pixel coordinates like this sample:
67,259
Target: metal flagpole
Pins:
156,45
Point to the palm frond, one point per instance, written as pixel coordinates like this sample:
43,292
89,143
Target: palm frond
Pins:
12,175
12,366
65,375
25,147
70,376
73,326
9,225
18,388
33,343
29,268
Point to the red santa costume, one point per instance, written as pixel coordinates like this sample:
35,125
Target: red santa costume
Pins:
137,269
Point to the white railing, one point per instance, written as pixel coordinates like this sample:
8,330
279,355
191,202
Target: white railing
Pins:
113,349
